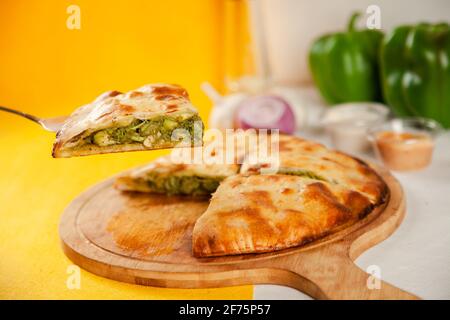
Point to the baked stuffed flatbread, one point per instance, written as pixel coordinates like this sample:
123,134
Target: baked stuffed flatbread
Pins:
313,191
263,213
141,119
164,176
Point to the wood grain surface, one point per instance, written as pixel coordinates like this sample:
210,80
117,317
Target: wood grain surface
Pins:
146,239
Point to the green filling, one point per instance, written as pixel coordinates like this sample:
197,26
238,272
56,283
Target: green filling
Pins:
301,173
160,129
185,185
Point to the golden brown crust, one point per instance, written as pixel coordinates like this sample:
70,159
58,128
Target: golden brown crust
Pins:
334,166
92,149
273,212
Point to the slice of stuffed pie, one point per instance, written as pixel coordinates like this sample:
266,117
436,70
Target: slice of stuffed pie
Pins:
166,177
155,116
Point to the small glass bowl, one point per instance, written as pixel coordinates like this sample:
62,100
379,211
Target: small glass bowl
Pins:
347,124
405,144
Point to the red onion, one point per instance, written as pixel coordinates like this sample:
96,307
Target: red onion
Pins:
265,112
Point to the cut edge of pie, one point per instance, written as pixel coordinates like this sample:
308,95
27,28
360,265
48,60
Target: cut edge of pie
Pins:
166,177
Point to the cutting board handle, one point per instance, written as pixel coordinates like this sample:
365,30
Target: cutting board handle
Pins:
333,275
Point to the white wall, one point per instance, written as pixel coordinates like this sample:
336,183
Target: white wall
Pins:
291,25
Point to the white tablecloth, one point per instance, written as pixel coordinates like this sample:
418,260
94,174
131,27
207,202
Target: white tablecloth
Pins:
416,257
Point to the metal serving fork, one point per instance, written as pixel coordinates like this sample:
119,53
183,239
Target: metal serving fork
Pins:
54,124
49,124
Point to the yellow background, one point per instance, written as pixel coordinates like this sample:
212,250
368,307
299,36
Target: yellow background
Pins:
48,70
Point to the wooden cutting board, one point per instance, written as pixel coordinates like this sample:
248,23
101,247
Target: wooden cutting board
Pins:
146,239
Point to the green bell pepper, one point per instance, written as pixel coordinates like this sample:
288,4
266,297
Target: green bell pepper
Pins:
344,65
415,71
